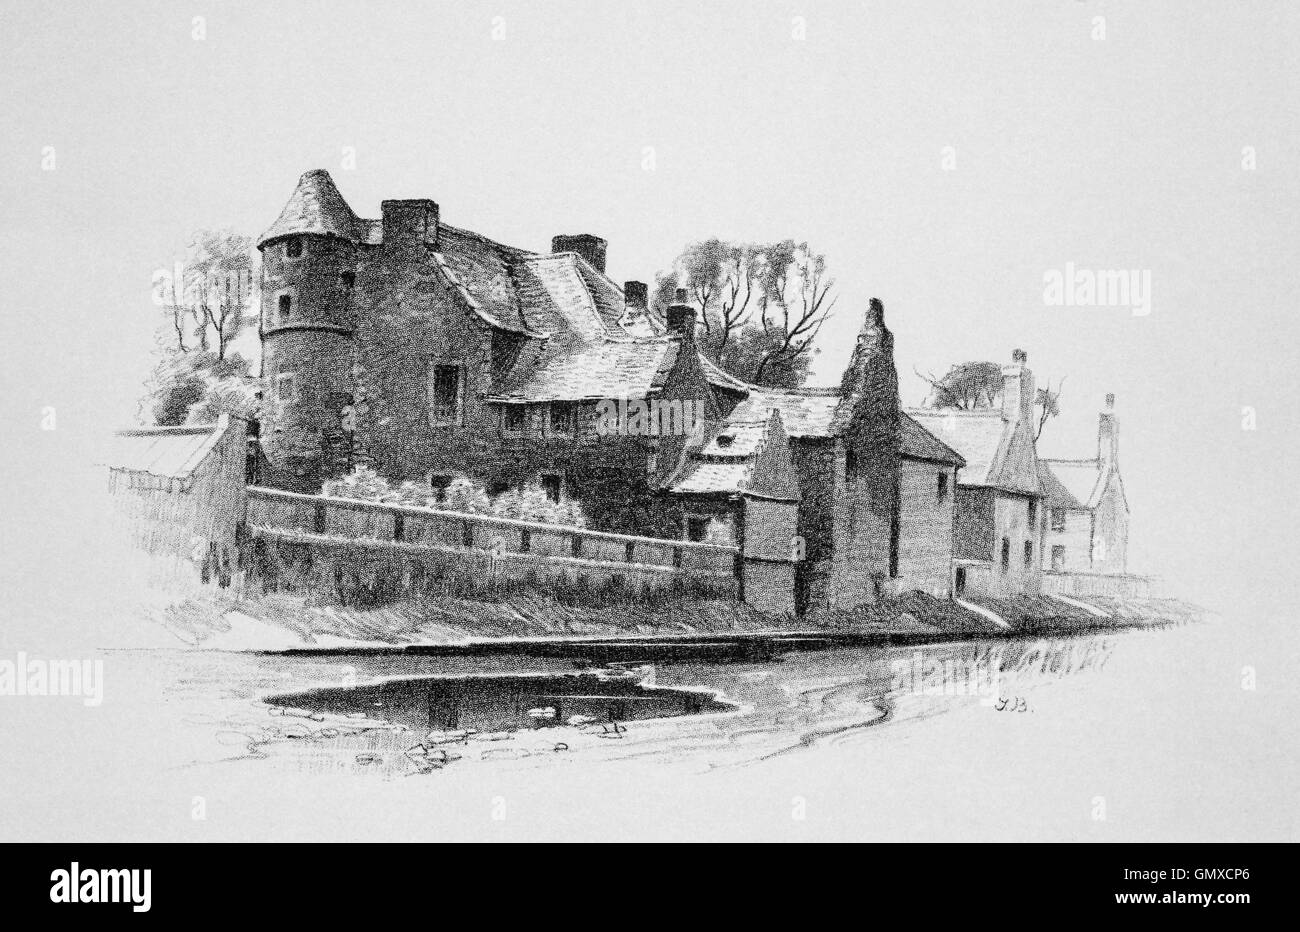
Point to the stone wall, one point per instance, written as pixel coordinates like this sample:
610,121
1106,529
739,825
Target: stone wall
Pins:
926,528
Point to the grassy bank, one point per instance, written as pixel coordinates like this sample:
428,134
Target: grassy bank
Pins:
282,621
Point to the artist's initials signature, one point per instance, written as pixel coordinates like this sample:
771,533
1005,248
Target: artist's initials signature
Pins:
1014,704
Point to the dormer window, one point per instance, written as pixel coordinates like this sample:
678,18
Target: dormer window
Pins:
293,248
286,306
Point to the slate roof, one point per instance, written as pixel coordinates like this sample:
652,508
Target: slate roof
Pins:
165,452
316,207
571,312
741,457
998,453
805,412
599,369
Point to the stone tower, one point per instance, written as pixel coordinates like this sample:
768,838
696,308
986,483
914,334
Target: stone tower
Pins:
309,262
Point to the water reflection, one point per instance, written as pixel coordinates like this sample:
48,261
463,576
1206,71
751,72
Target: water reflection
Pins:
506,703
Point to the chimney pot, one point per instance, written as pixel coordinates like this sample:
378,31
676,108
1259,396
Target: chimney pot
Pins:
1018,389
1110,400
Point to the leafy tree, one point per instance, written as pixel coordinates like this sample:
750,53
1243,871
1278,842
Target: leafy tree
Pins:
970,386
209,302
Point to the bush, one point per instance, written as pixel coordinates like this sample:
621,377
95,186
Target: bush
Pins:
462,495
362,483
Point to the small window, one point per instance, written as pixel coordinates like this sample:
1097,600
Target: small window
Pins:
1058,519
439,482
850,464
943,486
1006,554
1033,511
697,529
286,306
293,248
552,483
286,387
1058,558
564,417
1029,553
445,395
513,419
348,280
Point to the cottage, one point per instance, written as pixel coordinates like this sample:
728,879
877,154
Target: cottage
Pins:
999,499
1088,513
876,488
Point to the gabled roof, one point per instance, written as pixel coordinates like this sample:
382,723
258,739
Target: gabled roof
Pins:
1073,483
998,453
556,298
741,458
171,453
917,443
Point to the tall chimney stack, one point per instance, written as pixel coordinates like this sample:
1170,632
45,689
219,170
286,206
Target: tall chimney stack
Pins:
681,316
1018,389
635,294
1107,433
587,245
410,221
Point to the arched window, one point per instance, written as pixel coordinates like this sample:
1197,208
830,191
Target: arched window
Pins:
1006,554
286,306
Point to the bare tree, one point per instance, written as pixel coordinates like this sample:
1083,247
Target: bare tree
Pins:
760,305
796,301
219,277
1049,405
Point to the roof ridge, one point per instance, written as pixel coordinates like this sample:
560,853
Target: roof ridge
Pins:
521,252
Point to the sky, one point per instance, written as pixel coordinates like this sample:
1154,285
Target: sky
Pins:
944,156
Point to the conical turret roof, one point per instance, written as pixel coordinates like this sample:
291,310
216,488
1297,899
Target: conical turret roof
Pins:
314,207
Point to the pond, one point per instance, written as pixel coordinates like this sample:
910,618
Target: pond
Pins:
599,699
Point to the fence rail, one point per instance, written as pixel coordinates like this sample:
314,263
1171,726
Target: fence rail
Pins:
321,518
1120,585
